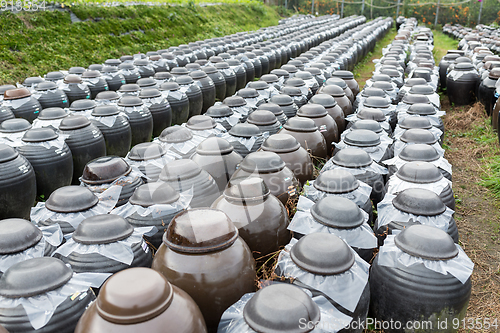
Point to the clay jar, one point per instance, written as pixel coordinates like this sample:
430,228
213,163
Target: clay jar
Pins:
159,107
183,175
113,76
17,184
307,134
265,120
419,152
149,158
130,72
207,88
139,117
326,125
217,157
273,170
95,82
53,167
203,255
218,80
221,114
348,77
295,93
178,100
229,76
462,82
129,89
118,136
177,135
340,96
342,84
139,299
286,103
22,103
51,96
245,131
5,113
260,217
75,88
193,92
486,91
276,110
85,141
295,157
424,110
333,109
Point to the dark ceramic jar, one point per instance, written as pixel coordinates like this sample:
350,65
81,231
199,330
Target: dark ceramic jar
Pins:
159,107
295,157
5,113
17,184
239,106
12,131
229,77
333,109
107,97
218,80
115,129
342,84
50,96
149,158
240,72
53,167
144,67
160,305
368,141
147,83
74,88
273,170
276,110
178,135
193,93
423,110
95,82
22,103
295,93
299,83
443,67
461,83
251,97
217,157
249,67
105,229
82,107
339,95
307,134
348,77
183,175
207,88
265,120
272,80
257,64
206,258
139,117
245,133
85,141
286,103
222,114
129,72
415,293
162,77
113,76
260,217
159,64
486,91
325,123
37,277
129,89
309,80
264,60
32,82
178,100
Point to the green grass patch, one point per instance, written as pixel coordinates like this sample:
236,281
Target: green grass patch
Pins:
442,43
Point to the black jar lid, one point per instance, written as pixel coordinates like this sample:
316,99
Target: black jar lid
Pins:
333,90
219,111
369,113
40,135
105,169
7,153
269,78
336,181
154,194
14,125
234,101
426,242
422,89
29,81
130,101
367,92
179,170
71,199
418,135
34,277
105,111
46,85
91,74
162,76
464,66
214,146
248,93
300,124
419,172
281,143
352,158
108,95
245,130
346,75
262,118
311,110
376,102
295,82
415,122
383,85
322,254
325,100
258,85
421,109
419,201
200,230
362,138
17,235
282,100
246,189
175,134
419,152
102,229
200,123
82,104
73,122
281,308
367,124
262,162
336,81
197,75
291,91
146,82
72,78
146,151
171,86
52,113
289,68
337,212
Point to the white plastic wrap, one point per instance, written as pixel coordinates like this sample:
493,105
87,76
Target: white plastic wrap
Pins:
65,86
455,75
388,213
182,147
38,93
150,165
243,110
52,123
58,143
177,94
107,201
108,121
51,235
120,181
41,308
433,119
231,120
400,145
345,288
396,185
16,103
120,251
359,196
156,100
460,266
373,167
252,103
398,131
216,131
384,137
12,139
376,152
352,118
441,163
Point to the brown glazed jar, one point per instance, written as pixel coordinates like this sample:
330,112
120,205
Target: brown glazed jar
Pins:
141,299
203,255
326,125
295,157
340,96
260,217
307,134
333,109
348,77
272,169
217,157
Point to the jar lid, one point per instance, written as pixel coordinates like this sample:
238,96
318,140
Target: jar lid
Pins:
179,170
184,80
245,130
322,254
421,109
40,135
29,81
91,74
367,92
289,68
248,93
234,101
324,99
126,65
258,85
346,75
219,111
73,122
95,67
281,143
209,69
7,153
419,152
391,72
464,66
54,76
154,194
141,62
214,146
381,77
337,212
130,101
108,95
362,138
281,308
162,76
415,122
146,82
295,82
422,73
426,242
52,113
494,74
16,93
300,124
215,59
71,199
304,75
291,91
76,70
367,124
72,78
200,230
197,75
352,158
171,86
269,78
336,81
246,189
82,104
17,235
200,123
146,151
383,85
105,169
129,87
175,134
280,72
418,135
333,90
112,62
369,113
105,111
419,201
34,277
376,102
102,229
422,89
273,107
46,85
262,162
312,111
336,181
109,69
14,125
261,117
133,296
419,172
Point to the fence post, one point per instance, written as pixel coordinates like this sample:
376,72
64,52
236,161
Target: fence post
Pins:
312,8
362,7
437,14
397,10
480,10
342,10
286,4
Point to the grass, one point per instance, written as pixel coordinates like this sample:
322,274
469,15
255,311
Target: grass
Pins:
34,43
442,43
